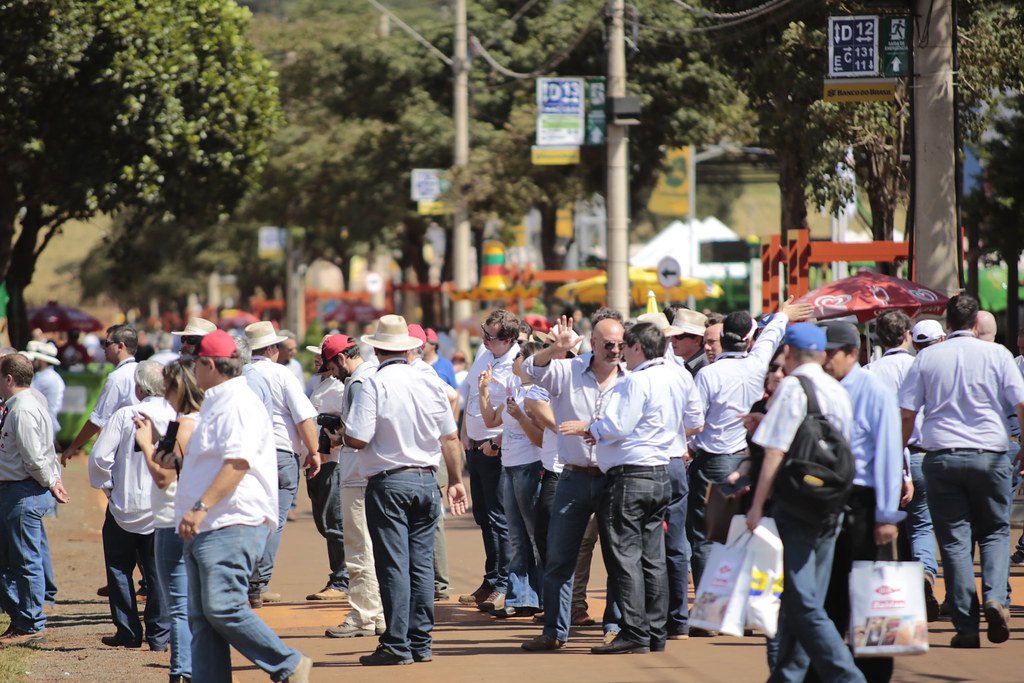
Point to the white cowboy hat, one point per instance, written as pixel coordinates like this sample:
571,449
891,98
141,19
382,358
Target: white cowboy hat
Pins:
262,334
657,319
44,351
392,334
197,327
687,322
317,349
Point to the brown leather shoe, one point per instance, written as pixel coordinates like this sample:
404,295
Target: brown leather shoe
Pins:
494,601
476,597
581,618
543,643
998,619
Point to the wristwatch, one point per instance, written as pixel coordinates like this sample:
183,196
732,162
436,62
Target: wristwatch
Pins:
200,506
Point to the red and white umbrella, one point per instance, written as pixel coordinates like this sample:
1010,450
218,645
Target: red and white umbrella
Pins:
868,294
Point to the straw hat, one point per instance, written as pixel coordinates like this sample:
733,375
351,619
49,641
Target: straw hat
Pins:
262,334
317,349
197,327
687,322
44,351
657,319
392,334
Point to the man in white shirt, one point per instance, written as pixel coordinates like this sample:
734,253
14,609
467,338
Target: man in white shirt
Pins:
398,441
118,469
193,334
29,481
286,351
118,389
644,424
294,429
686,337
806,635
483,450
45,378
225,507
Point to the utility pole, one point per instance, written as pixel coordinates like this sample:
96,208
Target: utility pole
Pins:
618,170
461,310
934,203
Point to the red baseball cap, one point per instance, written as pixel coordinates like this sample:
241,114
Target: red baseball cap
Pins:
431,335
218,344
335,344
416,332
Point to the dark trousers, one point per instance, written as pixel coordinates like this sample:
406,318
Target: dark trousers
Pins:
548,484
325,494
631,519
122,550
485,474
705,469
677,549
856,541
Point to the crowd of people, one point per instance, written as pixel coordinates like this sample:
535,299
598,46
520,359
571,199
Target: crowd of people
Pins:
619,436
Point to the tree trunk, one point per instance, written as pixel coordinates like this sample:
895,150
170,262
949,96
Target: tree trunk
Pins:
415,234
19,276
972,255
793,193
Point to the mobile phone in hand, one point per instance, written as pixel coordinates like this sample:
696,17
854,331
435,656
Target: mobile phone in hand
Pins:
731,489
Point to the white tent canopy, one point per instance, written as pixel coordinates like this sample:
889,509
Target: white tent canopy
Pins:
681,240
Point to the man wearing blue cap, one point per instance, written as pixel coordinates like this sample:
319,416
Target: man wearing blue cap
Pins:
806,635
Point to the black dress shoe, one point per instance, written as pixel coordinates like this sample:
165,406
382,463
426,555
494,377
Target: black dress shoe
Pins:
382,656
620,646
509,612
118,641
422,657
657,645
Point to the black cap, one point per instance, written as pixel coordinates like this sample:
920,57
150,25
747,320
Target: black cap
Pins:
839,334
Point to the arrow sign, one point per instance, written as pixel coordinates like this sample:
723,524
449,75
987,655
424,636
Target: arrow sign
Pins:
896,64
669,271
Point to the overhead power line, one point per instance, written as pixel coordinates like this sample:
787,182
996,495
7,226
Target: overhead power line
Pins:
701,12
755,13
477,48
413,32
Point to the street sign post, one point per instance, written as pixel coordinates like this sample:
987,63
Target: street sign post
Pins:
852,46
560,112
427,184
597,126
669,272
895,44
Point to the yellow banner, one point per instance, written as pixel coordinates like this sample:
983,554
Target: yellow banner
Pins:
433,208
671,196
853,90
555,156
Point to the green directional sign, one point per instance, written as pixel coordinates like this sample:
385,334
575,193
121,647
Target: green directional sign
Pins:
894,42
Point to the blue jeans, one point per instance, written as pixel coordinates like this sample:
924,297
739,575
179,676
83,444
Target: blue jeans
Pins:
170,570
219,564
489,514
51,583
401,513
122,551
705,469
807,637
969,496
545,501
576,499
677,550
521,493
325,493
631,518
287,486
918,523
22,506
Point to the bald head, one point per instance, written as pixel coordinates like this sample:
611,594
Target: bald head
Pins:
985,328
606,341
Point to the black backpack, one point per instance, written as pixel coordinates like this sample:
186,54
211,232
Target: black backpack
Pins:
815,478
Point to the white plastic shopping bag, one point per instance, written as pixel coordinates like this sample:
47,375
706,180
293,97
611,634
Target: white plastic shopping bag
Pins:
721,601
764,555
887,611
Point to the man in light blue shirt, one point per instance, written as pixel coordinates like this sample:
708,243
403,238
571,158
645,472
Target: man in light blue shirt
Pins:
644,425
962,385
873,508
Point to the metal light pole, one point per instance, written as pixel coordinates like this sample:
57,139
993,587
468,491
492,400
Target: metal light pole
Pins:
461,238
618,170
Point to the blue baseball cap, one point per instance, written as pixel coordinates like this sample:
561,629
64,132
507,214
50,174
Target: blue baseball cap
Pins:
806,337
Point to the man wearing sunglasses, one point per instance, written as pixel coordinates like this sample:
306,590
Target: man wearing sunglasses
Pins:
483,448
118,390
193,334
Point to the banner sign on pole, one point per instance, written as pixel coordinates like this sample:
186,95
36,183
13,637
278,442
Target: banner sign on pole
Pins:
852,46
428,184
560,112
597,126
895,46
271,241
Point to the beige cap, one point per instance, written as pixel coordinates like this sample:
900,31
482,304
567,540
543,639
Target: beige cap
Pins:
657,319
316,349
687,322
197,327
42,350
392,334
262,334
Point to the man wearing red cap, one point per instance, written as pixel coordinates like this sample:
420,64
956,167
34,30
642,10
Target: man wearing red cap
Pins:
225,506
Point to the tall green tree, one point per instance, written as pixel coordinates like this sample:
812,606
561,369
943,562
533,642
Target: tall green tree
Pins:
159,105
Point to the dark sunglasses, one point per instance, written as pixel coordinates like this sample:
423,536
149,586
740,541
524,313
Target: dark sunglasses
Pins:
614,346
487,335
774,367
108,342
192,339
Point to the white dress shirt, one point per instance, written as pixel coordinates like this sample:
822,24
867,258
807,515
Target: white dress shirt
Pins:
121,472
348,464
163,498
892,368
549,444
118,391
232,426
26,442
645,417
329,399
501,370
401,415
788,407
291,406
295,367
730,386
50,384
516,447
962,385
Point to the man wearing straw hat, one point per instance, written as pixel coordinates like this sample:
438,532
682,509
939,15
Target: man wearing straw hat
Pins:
399,439
294,428
194,331
686,335
45,379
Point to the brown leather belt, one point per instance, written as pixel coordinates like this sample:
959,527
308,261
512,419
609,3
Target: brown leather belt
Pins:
580,469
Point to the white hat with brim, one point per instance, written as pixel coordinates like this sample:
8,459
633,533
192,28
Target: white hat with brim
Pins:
317,349
197,327
44,351
262,334
392,334
657,319
687,322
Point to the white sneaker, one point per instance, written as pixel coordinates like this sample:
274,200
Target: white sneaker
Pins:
301,673
347,630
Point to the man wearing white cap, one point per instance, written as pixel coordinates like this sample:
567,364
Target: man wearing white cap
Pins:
45,379
294,423
686,335
402,499
194,331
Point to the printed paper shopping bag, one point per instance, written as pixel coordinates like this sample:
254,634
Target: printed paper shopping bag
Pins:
721,600
764,557
887,611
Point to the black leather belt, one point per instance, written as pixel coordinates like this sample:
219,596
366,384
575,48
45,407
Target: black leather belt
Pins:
19,481
965,451
636,469
399,470
580,469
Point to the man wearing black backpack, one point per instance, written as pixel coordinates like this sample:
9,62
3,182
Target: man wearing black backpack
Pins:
805,434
